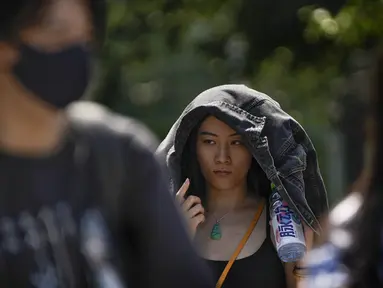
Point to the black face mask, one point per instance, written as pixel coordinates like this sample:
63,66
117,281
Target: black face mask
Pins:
57,78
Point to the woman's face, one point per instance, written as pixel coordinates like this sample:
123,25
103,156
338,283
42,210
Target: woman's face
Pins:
222,156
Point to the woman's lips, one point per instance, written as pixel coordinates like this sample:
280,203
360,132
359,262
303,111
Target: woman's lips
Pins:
222,173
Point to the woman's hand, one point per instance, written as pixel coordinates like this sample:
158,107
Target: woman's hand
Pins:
309,240
309,236
192,208
291,280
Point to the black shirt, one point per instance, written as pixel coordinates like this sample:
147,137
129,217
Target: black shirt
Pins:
261,269
39,229
53,234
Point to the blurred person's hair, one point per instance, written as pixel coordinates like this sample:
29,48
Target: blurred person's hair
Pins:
364,255
19,14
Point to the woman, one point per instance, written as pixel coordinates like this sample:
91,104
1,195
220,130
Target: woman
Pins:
352,257
228,146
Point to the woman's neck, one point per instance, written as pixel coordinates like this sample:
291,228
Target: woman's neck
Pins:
222,201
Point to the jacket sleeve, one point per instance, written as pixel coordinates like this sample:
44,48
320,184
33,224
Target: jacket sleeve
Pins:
162,254
294,157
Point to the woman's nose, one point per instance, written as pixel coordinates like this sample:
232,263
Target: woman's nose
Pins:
222,155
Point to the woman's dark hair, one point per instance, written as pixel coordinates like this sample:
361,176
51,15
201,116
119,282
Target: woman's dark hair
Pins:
256,179
364,256
18,14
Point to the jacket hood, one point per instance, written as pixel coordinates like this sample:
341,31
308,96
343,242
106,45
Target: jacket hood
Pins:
229,103
277,142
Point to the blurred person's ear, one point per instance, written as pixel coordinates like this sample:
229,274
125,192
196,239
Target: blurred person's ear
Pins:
8,57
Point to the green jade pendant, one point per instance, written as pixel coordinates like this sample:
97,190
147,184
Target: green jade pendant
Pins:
216,233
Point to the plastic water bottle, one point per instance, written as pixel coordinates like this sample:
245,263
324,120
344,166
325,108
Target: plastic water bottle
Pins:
288,229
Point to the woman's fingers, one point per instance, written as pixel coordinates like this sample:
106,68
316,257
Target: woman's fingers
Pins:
180,196
195,210
190,201
192,207
195,221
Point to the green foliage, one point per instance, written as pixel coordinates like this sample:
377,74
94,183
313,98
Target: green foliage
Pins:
156,58
161,54
357,23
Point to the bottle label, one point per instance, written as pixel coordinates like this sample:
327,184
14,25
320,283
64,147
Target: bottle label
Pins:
287,225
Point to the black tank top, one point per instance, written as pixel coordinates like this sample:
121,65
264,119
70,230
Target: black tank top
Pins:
261,269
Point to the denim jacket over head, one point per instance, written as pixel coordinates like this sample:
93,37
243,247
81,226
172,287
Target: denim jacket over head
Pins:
277,142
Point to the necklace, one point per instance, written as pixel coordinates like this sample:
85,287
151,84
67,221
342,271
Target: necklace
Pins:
216,232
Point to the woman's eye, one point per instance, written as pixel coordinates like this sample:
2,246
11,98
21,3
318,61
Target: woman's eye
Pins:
208,141
236,142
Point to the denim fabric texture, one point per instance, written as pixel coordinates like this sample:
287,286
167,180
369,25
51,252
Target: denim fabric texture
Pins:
278,142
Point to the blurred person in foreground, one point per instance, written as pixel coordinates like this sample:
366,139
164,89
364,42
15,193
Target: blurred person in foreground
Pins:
83,202
227,147
352,255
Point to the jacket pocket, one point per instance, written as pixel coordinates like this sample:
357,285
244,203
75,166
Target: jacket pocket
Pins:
292,161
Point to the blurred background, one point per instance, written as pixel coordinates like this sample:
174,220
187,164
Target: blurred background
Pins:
313,57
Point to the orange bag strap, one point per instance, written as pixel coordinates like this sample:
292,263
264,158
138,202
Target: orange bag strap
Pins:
241,244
